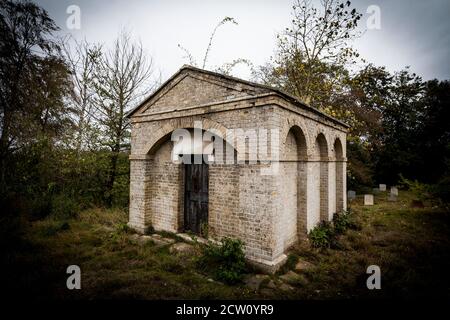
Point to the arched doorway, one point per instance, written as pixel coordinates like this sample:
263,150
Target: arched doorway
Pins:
185,166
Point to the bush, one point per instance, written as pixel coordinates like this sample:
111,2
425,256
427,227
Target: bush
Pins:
442,191
421,191
123,228
227,260
436,194
64,207
290,263
39,206
343,221
323,235
51,227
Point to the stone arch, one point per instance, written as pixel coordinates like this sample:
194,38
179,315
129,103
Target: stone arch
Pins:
321,156
339,176
164,132
294,186
164,178
299,127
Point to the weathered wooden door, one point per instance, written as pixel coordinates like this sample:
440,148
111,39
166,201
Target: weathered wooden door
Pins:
196,197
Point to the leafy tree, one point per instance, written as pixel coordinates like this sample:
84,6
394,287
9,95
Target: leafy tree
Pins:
32,80
311,54
434,133
397,152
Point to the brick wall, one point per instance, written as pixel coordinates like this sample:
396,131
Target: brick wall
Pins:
268,212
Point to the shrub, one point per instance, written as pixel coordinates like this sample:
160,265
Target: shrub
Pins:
40,206
227,260
204,230
436,194
290,263
122,228
442,191
64,207
323,235
51,227
421,191
343,221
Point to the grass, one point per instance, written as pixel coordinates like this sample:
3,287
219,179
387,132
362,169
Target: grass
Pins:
411,246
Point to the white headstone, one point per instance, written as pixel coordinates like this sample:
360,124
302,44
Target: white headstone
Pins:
351,194
394,191
382,187
368,199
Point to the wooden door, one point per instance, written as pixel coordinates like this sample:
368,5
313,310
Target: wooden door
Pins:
196,197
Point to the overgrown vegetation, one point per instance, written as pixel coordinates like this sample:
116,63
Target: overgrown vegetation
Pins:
398,122
227,260
324,235
64,169
436,194
410,246
64,138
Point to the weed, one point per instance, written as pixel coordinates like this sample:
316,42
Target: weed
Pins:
204,230
290,263
227,260
322,235
122,228
343,221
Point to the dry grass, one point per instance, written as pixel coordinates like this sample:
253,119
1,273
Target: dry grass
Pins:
411,246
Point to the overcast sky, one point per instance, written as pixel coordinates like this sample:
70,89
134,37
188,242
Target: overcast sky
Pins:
414,33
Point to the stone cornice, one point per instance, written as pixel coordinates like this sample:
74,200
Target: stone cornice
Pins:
250,101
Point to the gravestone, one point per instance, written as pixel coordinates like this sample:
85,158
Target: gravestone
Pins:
382,187
392,197
368,199
394,191
351,194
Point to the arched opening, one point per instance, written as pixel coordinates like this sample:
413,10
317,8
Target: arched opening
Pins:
294,187
321,153
182,171
339,177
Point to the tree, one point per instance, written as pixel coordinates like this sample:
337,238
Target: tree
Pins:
82,58
32,78
397,152
433,136
312,53
123,76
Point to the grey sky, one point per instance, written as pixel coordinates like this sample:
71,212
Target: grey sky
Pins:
414,33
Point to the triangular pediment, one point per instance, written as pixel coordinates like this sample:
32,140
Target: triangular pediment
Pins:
190,88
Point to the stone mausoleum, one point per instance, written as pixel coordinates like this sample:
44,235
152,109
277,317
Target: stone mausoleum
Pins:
252,163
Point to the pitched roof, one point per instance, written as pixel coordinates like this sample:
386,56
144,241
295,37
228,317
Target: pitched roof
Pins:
295,100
